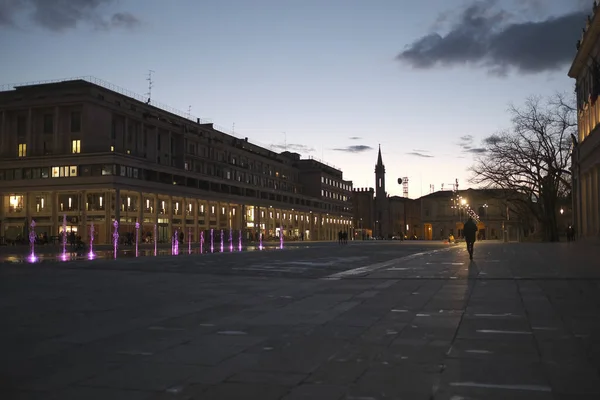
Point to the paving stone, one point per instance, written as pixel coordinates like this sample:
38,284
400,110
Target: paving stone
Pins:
278,378
338,372
145,376
316,392
246,391
95,393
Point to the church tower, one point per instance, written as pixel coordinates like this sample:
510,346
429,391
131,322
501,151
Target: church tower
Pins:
381,200
379,177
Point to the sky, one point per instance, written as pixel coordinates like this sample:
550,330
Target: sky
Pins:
427,80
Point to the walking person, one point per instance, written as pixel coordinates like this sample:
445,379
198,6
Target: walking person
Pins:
470,232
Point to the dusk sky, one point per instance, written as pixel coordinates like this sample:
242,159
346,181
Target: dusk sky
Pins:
428,79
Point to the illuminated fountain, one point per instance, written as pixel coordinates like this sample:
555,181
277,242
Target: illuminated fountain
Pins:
175,243
260,240
221,240
155,239
189,240
64,238
91,254
137,238
116,237
212,240
240,241
202,242
32,257
230,240
281,237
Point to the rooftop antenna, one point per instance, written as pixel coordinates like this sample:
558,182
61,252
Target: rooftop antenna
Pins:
233,129
150,85
189,113
285,141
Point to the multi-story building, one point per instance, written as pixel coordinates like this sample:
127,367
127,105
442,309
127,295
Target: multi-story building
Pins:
443,213
586,152
92,153
363,203
405,218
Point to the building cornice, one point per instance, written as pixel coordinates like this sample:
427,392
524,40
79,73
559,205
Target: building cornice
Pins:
585,44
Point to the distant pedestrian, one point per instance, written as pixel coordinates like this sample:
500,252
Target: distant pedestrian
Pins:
470,232
340,237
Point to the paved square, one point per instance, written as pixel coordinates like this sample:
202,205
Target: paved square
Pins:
369,320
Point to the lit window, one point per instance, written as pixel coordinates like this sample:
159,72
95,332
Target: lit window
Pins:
112,148
22,149
233,211
222,210
76,146
212,209
202,208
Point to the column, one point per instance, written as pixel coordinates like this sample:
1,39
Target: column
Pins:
590,204
155,210
83,213
3,133
117,206
596,200
184,217
582,229
140,216
169,206
196,216
108,215
54,205
55,134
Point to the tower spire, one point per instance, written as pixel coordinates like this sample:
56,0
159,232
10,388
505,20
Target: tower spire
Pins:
379,167
379,160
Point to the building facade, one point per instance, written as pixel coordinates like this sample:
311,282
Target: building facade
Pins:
586,152
443,213
363,203
78,153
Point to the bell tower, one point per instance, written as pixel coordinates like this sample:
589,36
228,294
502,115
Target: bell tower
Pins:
381,200
379,177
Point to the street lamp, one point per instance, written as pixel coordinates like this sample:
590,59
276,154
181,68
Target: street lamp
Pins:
561,211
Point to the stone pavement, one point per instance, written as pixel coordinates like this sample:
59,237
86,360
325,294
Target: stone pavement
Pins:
385,320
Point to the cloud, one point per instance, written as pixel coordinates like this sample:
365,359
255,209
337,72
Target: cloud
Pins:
354,137
355,149
61,15
477,150
417,154
293,147
121,20
484,36
465,142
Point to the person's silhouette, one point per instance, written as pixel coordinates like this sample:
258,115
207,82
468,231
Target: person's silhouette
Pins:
470,231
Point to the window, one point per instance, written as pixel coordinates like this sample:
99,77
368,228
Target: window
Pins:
15,203
48,123
76,146
75,121
22,149
64,171
112,148
108,169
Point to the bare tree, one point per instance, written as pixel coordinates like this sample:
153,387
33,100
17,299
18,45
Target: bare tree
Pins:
532,160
